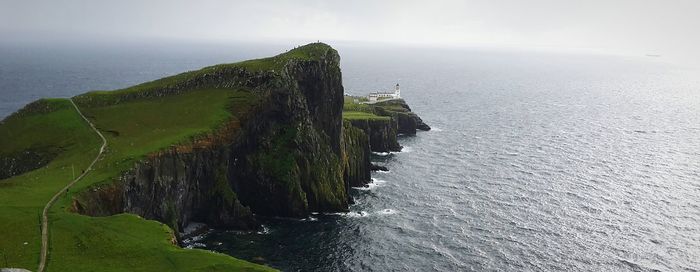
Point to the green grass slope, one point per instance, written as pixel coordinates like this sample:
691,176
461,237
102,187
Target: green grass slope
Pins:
56,125
273,64
134,129
356,111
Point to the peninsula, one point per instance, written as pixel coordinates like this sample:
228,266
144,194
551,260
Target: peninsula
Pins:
121,173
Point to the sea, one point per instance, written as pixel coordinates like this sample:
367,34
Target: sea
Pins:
537,160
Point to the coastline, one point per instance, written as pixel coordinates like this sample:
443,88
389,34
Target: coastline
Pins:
265,143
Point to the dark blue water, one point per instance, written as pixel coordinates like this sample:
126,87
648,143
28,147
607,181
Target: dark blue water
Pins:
538,162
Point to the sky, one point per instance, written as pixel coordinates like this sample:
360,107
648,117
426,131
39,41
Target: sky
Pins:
670,28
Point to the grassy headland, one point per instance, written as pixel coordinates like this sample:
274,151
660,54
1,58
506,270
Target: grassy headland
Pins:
358,111
134,129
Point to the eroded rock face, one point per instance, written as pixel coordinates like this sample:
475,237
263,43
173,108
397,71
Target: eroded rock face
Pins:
288,160
357,156
290,157
177,188
382,133
408,122
292,154
174,188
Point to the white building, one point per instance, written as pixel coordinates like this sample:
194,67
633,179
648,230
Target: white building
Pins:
376,96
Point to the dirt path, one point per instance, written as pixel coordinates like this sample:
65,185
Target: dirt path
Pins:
44,214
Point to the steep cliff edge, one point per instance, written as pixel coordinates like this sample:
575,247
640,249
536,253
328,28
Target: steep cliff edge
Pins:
383,121
398,109
356,157
137,131
287,156
382,133
218,145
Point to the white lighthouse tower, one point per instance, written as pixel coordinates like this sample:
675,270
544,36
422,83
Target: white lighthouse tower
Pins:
376,96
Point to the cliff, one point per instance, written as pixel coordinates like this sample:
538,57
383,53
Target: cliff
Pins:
407,122
383,121
356,163
218,145
382,133
288,157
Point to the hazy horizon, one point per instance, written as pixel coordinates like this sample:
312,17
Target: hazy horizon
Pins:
623,27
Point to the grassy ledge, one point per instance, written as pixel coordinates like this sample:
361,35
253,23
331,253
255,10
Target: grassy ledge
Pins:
353,110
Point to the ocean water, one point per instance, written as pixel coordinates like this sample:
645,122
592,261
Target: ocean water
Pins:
536,161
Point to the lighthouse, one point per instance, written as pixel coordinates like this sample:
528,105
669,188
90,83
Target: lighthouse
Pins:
376,96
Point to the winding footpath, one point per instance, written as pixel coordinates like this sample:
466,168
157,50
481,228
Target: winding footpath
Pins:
44,214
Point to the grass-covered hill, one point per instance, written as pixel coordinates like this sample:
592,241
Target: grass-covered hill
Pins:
209,111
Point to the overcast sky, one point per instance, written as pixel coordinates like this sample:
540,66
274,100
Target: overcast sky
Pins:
666,27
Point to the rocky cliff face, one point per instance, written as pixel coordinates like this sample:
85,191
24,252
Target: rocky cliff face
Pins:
288,162
382,133
356,157
291,155
173,187
408,122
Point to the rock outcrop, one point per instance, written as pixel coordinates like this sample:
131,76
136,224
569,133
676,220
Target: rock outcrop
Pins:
382,133
408,122
357,156
394,118
26,160
290,157
173,187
